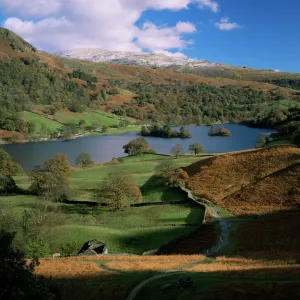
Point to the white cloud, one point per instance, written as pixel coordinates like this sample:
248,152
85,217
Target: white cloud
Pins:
154,38
226,25
55,25
185,27
31,8
277,70
213,5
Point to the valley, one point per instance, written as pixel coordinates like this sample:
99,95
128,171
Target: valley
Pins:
181,168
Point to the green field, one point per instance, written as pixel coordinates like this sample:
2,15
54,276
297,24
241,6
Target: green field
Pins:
39,120
89,117
130,230
142,167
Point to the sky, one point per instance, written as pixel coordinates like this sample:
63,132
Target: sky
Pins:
262,34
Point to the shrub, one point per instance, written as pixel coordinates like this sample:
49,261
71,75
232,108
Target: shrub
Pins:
84,160
69,249
7,184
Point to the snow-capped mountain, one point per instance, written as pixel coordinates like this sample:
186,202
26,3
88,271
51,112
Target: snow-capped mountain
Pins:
136,59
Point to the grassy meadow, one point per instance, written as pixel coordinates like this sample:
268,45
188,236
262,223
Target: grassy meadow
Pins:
89,117
130,230
39,120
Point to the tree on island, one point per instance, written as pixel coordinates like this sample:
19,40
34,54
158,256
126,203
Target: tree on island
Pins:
84,160
165,132
196,148
213,131
177,150
184,133
137,146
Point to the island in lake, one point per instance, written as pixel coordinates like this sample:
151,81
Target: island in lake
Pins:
221,131
165,132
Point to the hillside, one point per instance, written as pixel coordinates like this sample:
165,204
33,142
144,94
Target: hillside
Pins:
50,85
185,64
257,181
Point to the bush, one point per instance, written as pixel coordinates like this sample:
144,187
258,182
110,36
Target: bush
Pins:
7,166
7,184
69,249
84,160
137,146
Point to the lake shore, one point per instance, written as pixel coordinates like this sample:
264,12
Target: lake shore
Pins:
110,131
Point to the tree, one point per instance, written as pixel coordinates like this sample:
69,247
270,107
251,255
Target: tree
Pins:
59,166
196,148
84,160
7,166
183,133
48,186
176,178
219,131
104,128
95,125
7,184
177,150
137,146
165,167
51,182
82,124
17,278
31,127
127,184
113,196
118,187
66,132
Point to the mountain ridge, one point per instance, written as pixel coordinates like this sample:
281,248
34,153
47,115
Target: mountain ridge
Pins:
136,58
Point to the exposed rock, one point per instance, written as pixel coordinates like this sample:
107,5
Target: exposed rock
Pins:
93,247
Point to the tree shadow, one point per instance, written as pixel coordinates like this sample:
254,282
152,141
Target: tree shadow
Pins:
154,186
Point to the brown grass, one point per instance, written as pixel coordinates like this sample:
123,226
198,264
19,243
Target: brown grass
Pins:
240,183
240,266
274,236
198,242
66,268
279,191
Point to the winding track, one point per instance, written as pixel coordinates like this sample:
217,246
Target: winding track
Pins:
222,241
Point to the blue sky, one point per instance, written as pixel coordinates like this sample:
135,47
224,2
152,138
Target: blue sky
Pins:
261,34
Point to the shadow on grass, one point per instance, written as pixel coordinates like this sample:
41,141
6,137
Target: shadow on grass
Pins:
264,283
154,186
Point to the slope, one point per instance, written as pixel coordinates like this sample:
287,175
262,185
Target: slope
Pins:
46,84
231,179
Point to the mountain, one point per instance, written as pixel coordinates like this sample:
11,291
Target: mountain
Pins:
136,58
56,88
184,64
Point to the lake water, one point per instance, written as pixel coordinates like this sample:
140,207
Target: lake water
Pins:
104,148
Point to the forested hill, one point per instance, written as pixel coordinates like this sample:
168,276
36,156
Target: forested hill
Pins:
282,79
47,85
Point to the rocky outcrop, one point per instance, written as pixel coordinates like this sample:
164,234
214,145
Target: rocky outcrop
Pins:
93,247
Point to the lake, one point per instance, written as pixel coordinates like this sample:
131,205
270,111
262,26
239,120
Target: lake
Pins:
104,148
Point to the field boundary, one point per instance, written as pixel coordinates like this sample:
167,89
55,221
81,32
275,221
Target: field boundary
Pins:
187,234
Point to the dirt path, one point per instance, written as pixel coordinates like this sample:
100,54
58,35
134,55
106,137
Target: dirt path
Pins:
137,289
222,242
